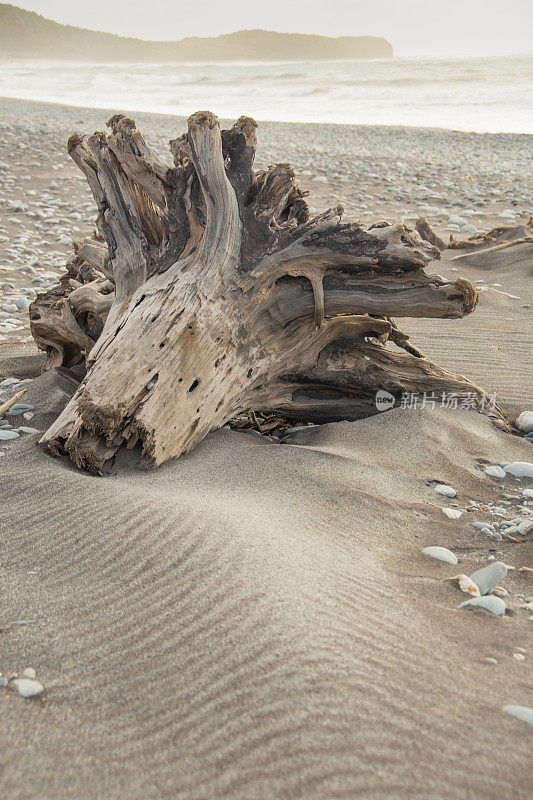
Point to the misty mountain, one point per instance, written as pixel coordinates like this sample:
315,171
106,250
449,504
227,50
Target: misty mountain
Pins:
25,34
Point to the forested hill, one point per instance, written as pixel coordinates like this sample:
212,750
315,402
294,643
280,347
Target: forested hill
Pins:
24,34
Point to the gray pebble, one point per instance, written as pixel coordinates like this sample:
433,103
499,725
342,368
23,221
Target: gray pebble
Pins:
19,408
6,435
488,577
490,603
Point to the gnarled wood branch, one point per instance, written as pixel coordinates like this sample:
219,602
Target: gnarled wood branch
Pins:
216,293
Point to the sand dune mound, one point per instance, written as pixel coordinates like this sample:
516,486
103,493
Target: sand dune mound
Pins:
517,259
256,620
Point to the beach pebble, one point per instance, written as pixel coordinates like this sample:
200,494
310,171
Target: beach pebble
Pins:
520,469
524,421
468,228
453,513
27,687
446,491
27,429
441,554
519,656
490,660
527,493
3,682
29,672
520,712
489,603
465,584
5,435
500,591
8,382
495,471
19,408
454,219
481,525
488,577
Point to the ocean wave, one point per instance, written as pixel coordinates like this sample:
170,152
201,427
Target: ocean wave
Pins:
460,93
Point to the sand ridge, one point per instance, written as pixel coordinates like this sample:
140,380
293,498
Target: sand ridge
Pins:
257,619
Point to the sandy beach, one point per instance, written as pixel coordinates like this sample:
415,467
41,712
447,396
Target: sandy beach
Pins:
257,619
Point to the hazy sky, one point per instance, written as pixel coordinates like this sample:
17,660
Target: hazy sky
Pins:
414,27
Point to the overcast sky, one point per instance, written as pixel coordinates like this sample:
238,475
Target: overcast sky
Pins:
414,27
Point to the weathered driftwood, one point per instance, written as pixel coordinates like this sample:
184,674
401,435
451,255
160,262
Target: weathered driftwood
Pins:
208,291
426,232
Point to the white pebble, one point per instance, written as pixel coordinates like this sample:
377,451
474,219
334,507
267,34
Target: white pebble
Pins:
447,491
452,513
519,656
524,421
520,469
495,472
491,660
27,687
29,672
520,712
441,554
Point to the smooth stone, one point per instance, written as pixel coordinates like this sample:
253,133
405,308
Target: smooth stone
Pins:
519,656
495,472
524,421
468,228
522,713
6,435
489,603
527,493
27,429
481,525
529,437
454,219
488,577
452,513
19,408
29,672
467,585
21,303
490,660
441,554
499,591
27,687
520,469
446,491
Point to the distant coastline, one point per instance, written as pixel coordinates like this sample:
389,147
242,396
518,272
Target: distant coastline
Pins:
25,34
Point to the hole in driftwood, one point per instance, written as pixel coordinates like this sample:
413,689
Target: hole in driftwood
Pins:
193,385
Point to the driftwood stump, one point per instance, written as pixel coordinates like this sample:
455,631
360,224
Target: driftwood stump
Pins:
207,291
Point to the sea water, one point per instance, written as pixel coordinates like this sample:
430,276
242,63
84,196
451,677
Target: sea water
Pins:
472,94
